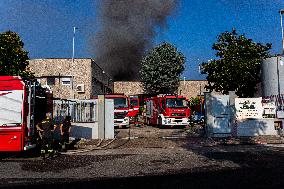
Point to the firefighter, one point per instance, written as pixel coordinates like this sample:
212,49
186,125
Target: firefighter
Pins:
65,129
46,128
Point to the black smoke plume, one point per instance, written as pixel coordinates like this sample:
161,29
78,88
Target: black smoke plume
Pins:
127,29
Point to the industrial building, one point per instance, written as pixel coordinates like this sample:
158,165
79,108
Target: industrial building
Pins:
79,78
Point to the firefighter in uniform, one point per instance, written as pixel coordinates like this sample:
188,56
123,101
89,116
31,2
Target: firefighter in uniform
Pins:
65,128
46,128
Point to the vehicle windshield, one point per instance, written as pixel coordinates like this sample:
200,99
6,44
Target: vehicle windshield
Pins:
176,103
133,102
120,103
11,104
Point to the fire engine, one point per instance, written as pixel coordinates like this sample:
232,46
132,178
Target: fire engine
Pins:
121,108
167,110
134,109
18,114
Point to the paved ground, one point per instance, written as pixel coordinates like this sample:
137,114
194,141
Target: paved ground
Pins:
152,158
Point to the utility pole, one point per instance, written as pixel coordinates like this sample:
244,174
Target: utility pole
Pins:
200,100
282,32
73,52
72,71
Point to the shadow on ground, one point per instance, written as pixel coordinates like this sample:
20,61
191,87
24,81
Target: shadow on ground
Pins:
66,162
258,165
202,178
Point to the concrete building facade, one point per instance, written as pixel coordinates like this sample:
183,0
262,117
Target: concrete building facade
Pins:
187,88
58,73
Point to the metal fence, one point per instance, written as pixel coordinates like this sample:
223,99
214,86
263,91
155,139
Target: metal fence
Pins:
79,110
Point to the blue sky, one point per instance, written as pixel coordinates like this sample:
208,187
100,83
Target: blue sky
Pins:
45,26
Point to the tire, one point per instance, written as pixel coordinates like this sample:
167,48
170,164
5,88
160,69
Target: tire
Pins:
160,125
147,122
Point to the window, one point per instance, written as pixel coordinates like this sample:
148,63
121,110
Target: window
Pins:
11,114
134,102
176,103
50,81
120,103
66,81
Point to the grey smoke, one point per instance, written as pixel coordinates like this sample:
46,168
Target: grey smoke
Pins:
127,29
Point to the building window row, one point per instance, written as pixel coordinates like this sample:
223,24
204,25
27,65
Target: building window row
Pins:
50,81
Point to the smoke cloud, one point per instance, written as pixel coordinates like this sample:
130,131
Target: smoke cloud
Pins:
127,29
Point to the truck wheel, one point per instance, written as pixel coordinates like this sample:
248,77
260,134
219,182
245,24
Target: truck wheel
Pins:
160,125
147,122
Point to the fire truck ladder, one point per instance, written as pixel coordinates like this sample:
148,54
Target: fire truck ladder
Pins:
31,100
31,120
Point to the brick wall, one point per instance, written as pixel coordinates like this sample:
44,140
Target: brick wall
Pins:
188,88
85,72
64,68
128,87
192,88
95,80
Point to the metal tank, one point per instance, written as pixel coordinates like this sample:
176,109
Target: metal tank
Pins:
272,76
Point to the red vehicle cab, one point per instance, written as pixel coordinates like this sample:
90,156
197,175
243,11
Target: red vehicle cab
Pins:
167,110
121,108
134,108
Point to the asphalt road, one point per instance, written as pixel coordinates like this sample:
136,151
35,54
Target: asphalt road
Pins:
151,162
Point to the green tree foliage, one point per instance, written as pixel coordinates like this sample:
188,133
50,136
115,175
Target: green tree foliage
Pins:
13,58
161,69
194,101
238,65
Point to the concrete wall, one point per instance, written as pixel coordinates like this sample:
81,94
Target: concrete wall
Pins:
84,130
188,88
255,127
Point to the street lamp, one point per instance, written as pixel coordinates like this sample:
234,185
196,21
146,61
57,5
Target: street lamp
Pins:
282,32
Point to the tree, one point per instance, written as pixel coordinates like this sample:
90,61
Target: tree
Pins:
161,69
238,66
13,58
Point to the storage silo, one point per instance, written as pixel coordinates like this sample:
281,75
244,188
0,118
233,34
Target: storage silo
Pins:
272,76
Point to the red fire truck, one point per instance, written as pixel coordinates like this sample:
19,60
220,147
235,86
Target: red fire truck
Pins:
121,108
17,113
167,110
133,109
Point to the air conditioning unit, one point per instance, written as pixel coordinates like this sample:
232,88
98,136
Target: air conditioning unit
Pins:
80,88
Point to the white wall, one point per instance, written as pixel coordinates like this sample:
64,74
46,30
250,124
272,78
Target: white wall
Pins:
84,130
255,127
